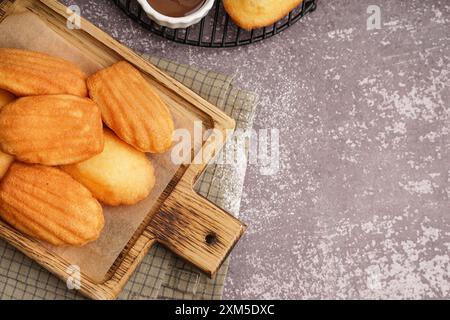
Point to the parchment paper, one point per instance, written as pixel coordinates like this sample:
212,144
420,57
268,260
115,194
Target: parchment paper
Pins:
28,31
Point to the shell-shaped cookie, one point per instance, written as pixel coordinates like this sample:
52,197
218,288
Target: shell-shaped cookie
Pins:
120,175
47,204
26,73
51,130
132,108
251,14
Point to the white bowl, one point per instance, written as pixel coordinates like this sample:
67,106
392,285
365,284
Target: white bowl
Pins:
176,22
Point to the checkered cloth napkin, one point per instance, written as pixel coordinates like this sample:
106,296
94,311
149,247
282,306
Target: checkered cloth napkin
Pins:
161,275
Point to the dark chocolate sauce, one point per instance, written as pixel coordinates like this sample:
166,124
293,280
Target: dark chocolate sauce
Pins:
176,8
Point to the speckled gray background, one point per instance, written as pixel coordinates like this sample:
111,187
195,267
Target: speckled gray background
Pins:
360,207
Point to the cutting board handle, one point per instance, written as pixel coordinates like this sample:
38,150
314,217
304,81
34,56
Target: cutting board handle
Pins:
195,229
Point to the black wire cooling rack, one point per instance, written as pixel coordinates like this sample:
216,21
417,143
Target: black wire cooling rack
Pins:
216,30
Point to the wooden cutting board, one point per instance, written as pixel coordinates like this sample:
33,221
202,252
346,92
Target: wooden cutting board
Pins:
183,221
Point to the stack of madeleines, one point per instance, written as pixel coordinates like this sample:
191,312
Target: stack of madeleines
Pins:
57,160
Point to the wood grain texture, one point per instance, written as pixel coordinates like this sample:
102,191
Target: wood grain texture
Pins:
186,223
195,229
5,7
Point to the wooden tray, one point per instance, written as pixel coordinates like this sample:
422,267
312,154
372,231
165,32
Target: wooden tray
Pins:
183,221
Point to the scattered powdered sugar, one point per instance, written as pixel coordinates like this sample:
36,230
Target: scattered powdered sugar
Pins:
419,187
341,34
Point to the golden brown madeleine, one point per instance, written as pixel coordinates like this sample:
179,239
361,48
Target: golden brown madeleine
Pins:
251,14
6,97
51,130
119,175
131,107
47,204
27,73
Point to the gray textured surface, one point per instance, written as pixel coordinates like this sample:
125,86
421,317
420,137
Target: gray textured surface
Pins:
360,207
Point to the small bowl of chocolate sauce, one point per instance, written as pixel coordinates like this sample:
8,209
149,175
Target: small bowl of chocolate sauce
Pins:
176,13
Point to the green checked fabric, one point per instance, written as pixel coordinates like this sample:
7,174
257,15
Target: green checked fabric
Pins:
161,274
